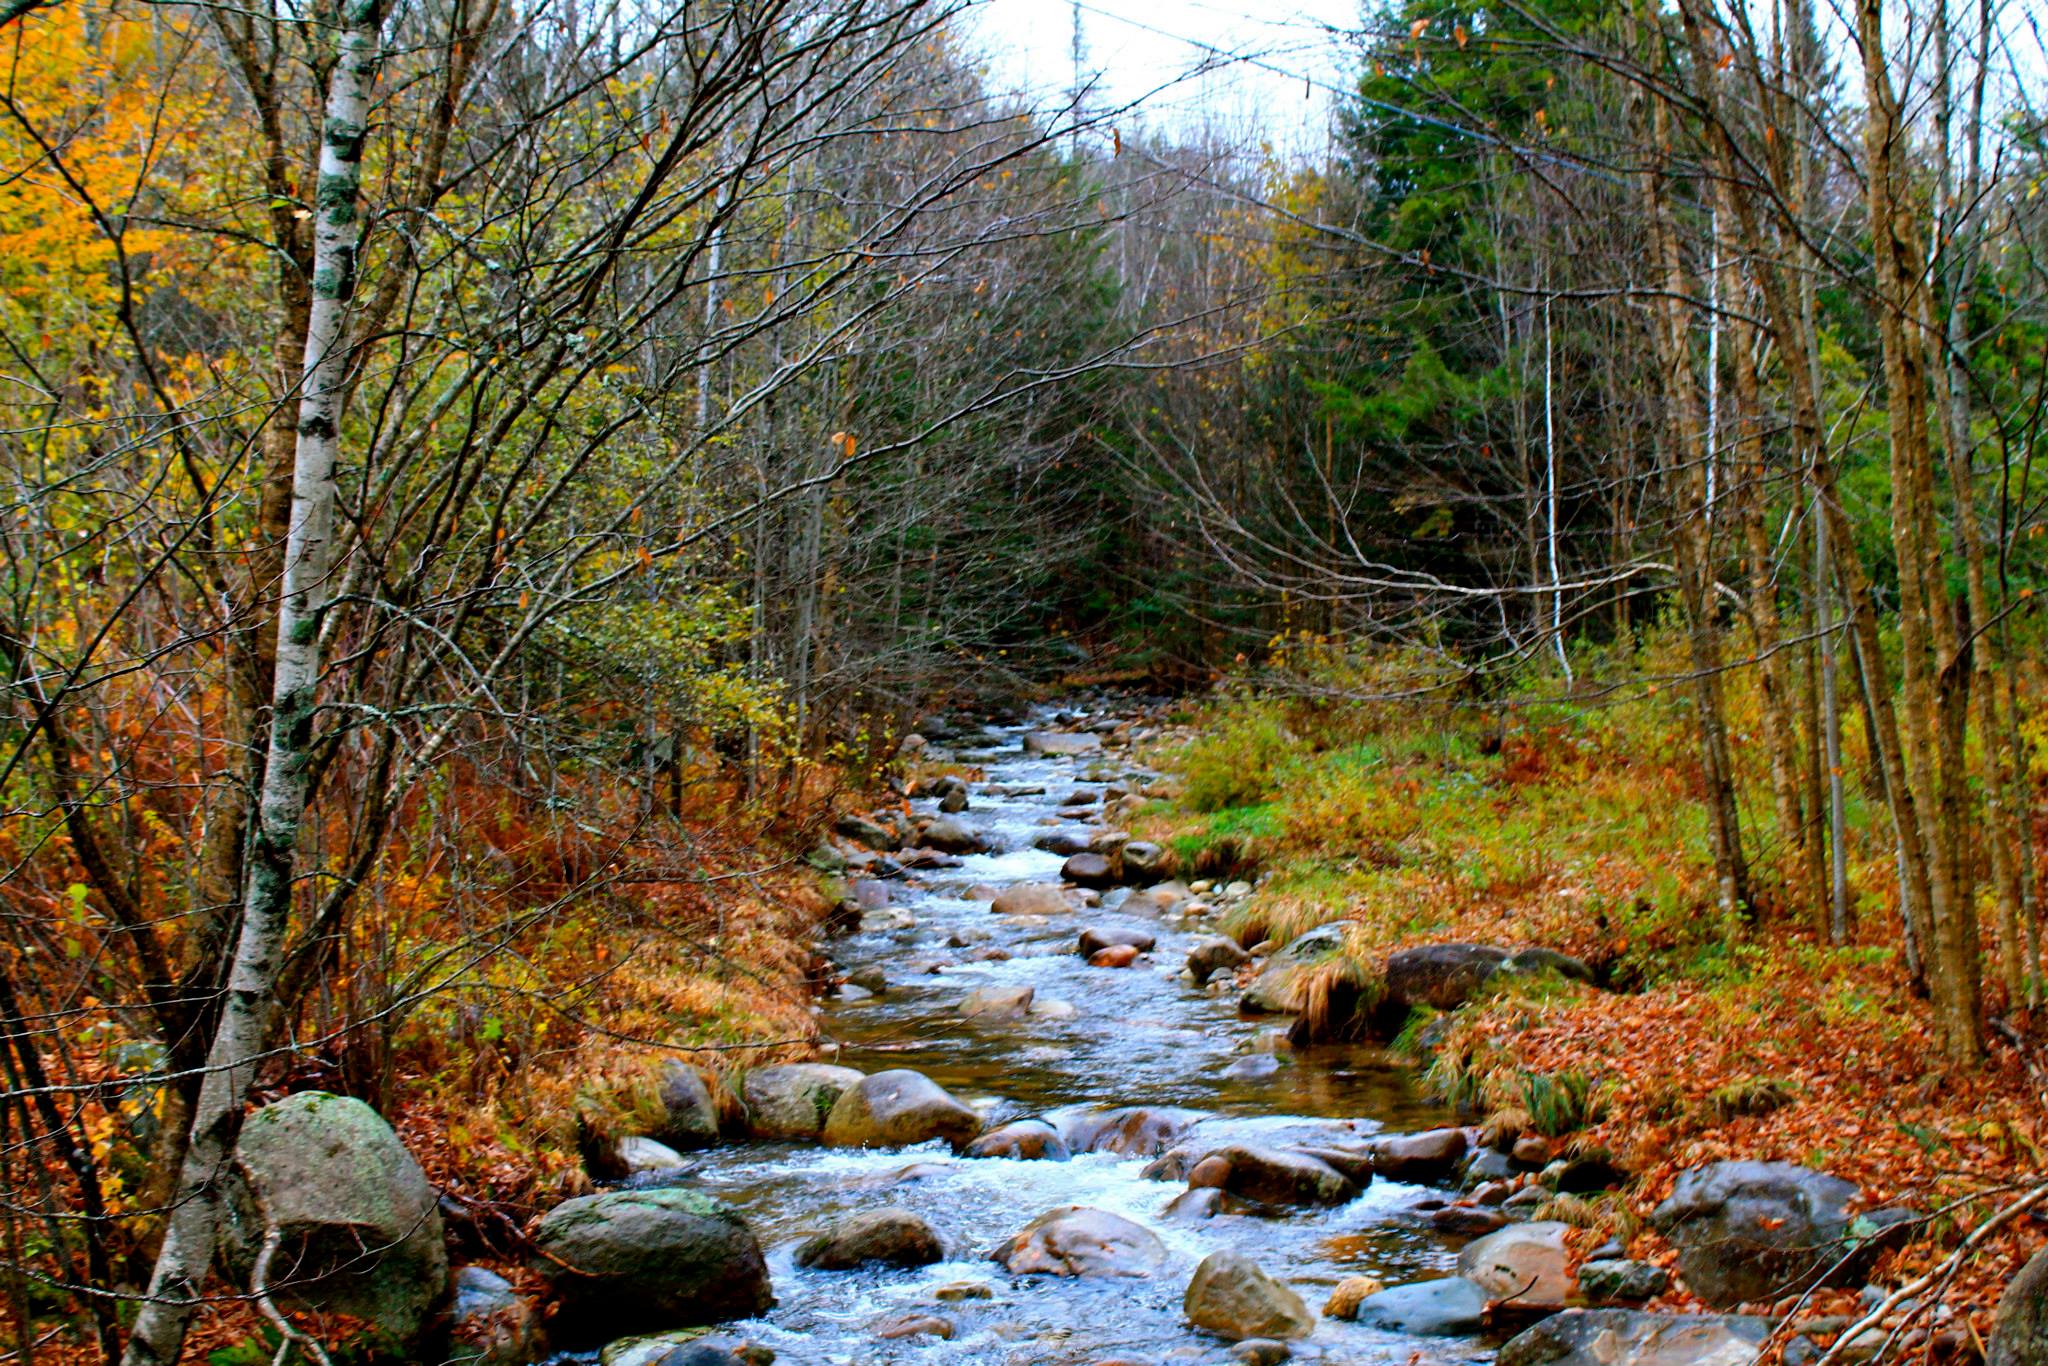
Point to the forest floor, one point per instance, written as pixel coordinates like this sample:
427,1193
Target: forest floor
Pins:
1580,829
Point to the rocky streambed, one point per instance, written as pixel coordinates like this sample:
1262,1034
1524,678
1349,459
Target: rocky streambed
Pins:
1053,1144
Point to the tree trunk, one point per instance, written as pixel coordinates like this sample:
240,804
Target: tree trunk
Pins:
241,1035
1931,681
1691,538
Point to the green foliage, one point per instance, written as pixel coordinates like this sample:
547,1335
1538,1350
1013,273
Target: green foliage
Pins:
1238,761
1560,1102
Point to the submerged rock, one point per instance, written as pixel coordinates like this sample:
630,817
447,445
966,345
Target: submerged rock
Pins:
884,1237
1135,1131
629,1261
1232,1297
1273,1177
1028,1139
360,1223
998,1003
896,1108
1077,1240
1603,1337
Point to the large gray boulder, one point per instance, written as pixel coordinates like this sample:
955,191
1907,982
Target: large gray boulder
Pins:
883,1237
1446,1307
358,1222
1444,976
1077,1240
641,1260
896,1108
1272,992
1426,1158
1231,1297
1630,1337
690,1113
2019,1334
1753,1231
1526,1266
791,1100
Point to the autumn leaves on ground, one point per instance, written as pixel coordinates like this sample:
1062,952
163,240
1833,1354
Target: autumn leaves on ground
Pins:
1576,825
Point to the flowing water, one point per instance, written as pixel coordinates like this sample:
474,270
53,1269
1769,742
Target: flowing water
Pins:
1141,1036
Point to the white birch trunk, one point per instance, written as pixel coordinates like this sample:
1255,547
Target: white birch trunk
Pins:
179,1276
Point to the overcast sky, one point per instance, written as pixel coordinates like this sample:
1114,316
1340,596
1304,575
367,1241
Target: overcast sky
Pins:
1288,58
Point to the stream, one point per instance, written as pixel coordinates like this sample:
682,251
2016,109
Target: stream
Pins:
1138,1036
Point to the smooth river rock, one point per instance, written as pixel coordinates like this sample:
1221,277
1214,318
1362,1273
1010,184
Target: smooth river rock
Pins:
1233,1298
791,1100
1214,955
1025,1139
1135,1131
689,1112
1077,1240
639,1260
1031,898
896,1108
883,1237
1087,870
1061,742
1098,937
1628,1337
1441,1308
1526,1265
1426,1158
1273,1177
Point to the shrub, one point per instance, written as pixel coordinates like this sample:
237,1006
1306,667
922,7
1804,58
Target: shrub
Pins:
1238,762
